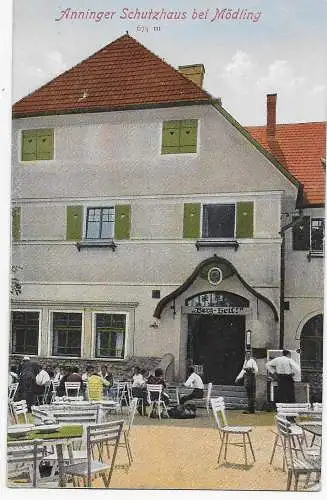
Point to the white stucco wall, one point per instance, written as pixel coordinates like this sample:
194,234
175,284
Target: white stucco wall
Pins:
112,158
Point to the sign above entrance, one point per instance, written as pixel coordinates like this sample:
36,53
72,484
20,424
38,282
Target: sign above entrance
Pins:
232,311
219,303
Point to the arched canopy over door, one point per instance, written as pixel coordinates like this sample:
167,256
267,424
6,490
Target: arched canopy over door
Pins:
311,345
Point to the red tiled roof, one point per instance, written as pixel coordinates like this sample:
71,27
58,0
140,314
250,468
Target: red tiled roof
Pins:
299,147
121,75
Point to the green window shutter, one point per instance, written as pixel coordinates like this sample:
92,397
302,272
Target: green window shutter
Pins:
74,223
170,137
28,145
15,229
244,220
301,234
191,226
122,222
44,144
188,136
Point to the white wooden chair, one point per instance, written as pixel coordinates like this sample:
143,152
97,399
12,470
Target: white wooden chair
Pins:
19,408
43,398
154,393
72,390
55,385
289,410
127,429
317,407
25,455
70,415
208,397
124,392
225,430
298,460
100,461
12,389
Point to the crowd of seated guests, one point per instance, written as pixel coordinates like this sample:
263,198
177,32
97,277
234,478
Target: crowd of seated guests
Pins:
33,378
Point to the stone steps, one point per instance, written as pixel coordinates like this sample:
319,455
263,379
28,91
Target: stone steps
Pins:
234,396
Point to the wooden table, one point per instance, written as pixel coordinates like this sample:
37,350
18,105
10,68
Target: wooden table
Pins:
65,436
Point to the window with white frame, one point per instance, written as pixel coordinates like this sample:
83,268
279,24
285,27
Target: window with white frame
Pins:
25,332
110,332
100,223
66,333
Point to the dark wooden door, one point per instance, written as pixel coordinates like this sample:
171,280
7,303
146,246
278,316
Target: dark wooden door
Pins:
217,342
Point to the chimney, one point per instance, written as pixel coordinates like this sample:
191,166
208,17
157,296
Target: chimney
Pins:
271,114
195,73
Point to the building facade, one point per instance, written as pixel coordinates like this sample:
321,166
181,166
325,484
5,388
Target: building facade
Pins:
147,221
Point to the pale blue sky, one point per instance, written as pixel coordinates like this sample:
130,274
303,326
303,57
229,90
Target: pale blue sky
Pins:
283,52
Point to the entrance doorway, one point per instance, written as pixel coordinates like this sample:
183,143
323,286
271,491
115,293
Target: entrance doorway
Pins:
217,343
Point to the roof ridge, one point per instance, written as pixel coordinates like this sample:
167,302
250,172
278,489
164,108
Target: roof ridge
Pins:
190,84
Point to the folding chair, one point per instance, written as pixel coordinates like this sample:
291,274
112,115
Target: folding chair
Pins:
225,430
298,462
19,408
99,461
208,397
154,393
55,385
12,389
25,455
42,399
127,429
124,392
72,387
289,410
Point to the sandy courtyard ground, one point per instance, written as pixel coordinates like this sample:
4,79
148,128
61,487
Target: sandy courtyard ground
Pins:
185,457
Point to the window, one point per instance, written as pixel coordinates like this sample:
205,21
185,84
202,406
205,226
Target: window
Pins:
67,334
100,223
25,332
309,234
110,335
218,221
179,136
317,234
37,145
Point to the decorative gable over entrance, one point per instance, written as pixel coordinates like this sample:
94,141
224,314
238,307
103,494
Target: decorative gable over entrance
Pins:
215,269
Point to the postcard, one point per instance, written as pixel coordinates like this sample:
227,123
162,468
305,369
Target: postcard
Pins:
167,191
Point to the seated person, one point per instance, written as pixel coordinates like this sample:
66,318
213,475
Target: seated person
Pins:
139,389
61,388
41,379
108,376
194,381
74,376
95,385
158,378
